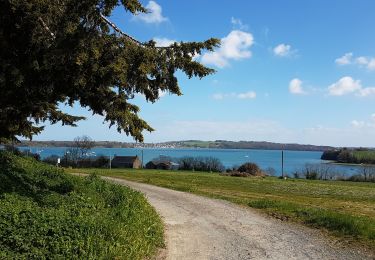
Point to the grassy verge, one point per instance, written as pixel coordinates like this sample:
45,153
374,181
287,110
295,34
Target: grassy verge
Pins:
346,209
46,214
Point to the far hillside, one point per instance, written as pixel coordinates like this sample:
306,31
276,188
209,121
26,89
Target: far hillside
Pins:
218,144
356,156
223,144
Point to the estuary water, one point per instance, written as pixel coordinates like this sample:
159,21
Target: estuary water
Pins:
293,160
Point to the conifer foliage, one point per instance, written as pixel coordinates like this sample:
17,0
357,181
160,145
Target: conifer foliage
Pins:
68,51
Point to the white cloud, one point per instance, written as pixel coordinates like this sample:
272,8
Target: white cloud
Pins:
358,124
366,62
235,46
245,95
369,124
365,92
345,59
237,24
371,64
163,42
154,14
345,85
283,50
362,61
295,87
218,96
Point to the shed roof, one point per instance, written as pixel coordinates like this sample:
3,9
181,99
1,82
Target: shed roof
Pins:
124,159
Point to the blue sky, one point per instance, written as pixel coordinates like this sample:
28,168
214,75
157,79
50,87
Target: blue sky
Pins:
287,71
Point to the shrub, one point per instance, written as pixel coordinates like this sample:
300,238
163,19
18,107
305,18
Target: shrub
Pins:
311,175
330,155
316,172
46,214
201,164
250,168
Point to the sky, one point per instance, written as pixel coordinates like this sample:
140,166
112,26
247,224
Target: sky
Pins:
286,71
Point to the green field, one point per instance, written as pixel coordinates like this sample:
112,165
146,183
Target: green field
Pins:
47,214
364,156
346,209
201,144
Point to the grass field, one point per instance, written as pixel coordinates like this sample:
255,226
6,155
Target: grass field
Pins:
202,144
47,214
346,209
364,156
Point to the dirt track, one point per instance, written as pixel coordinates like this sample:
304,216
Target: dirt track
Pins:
202,228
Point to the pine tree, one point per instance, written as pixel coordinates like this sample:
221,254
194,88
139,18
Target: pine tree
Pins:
68,51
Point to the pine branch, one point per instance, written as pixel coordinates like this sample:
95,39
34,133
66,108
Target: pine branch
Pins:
114,26
45,26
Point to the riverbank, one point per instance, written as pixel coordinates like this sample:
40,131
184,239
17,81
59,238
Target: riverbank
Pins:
344,209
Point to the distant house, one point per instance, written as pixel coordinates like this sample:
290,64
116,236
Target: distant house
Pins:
162,165
126,162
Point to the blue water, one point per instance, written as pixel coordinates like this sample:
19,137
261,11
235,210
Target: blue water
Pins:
293,160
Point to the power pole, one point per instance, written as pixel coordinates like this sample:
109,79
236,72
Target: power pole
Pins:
142,159
282,163
110,161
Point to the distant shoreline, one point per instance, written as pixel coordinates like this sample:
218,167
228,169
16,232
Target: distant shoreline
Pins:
350,164
190,144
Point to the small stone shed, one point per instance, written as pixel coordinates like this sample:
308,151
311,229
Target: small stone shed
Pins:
126,162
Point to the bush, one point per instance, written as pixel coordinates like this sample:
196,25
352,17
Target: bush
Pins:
330,155
245,170
201,164
312,175
250,168
46,214
316,172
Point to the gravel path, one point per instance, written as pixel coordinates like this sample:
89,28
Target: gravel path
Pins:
202,228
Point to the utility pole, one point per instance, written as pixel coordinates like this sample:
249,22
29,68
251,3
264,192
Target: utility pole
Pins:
110,161
282,163
142,159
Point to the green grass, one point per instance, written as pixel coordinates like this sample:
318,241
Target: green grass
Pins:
364,156
346,209
47,214
202,144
